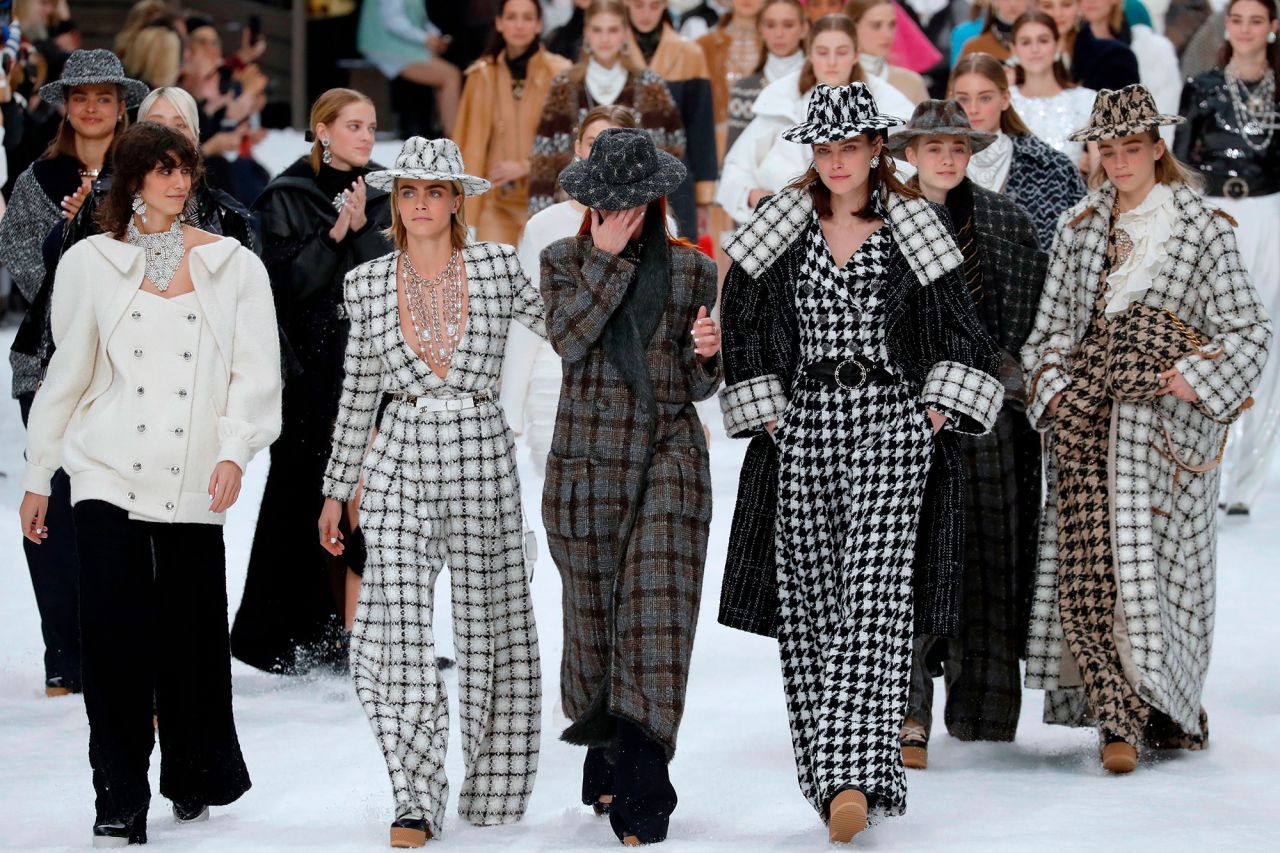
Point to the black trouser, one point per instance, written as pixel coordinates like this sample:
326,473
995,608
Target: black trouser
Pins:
55,577
153,608
634,770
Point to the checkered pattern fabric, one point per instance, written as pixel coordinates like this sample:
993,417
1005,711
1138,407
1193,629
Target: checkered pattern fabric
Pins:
428,160
852,470
1163,517
441,488
839,112
1118,113
624,170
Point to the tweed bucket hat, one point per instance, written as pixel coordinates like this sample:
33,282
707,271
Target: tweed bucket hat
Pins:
938,118
428,160
625,170
89,68
1118,113
839,112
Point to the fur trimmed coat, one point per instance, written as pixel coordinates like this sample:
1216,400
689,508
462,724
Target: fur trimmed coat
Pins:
627,500
933,338
1162,462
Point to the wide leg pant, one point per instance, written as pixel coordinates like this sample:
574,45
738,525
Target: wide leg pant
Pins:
852,470
442,488
153,611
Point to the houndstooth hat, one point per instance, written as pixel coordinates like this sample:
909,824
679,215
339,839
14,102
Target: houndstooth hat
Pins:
938,118
1118,113
839,112
428,160
89,68
625,170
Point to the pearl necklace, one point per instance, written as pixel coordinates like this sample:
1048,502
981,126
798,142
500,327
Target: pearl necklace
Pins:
163,251
1257,117
438,331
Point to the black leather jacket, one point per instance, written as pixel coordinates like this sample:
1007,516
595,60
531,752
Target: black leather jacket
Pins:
1210,141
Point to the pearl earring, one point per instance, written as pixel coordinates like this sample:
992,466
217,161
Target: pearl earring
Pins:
140,207
327,156
1271,37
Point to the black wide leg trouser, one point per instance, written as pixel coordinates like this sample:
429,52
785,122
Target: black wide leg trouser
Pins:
153,620
633,768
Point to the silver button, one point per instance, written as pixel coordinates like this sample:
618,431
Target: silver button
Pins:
137,466
178,431
175,470
141,390
137,315
142,427
137,353
182,393
191,318
168,505
132,496
186,356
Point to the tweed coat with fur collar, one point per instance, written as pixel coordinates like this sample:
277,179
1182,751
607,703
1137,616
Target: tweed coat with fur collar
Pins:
1162,472
933,337
627,500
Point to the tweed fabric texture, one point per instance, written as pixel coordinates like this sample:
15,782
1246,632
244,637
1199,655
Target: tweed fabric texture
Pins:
839,112
1163,517
929,319
90,67
566,105
938,118
441,488
1118,113
624,170
1044,183
428,160
627,501
852,472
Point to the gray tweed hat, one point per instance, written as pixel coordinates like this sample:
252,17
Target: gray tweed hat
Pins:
839,112
933,117
428,160
1118,113
91,67
625,170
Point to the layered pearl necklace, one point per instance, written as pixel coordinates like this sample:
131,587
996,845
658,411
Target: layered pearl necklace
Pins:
438,331
1255,111
163,251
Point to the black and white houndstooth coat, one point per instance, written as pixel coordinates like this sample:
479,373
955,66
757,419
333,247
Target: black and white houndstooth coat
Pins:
933,339
1162,474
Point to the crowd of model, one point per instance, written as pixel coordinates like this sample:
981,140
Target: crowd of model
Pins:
986,357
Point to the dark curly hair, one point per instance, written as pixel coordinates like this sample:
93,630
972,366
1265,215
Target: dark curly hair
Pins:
137,152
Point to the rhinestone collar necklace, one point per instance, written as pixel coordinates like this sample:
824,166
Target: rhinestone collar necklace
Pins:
163,251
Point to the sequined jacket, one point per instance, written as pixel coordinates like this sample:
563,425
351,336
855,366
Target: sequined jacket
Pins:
1212,141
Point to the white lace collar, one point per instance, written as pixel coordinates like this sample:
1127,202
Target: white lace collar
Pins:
1149,226
605,84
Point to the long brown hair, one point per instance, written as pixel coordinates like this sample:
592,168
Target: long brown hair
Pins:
1273,49
881,181
799,10
828,24
64,143
326,110
1169,169
1060,73
988,66
136,152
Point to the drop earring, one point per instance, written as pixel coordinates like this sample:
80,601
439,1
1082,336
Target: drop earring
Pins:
327,156
140,207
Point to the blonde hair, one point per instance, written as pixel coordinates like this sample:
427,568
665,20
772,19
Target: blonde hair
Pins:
182,102
459,235
154,56
140,14
1169,169
326,110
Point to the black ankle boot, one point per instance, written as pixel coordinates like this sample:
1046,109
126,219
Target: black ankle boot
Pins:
121,832
190,811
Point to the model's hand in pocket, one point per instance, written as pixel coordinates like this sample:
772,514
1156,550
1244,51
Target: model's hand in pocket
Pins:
936,420
224,486
32,512
330,536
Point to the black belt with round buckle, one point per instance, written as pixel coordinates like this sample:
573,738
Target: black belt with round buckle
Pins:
849,374
1235,187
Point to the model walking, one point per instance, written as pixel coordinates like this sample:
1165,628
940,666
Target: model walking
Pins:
1147,342
1232,137
851,341
1004,270
164,384
627,503
428,326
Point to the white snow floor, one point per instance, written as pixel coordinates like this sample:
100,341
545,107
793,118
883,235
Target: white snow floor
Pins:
319,780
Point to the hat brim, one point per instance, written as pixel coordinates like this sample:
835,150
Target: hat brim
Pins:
385,179
581,186
1124,129
815,133
978,139
56,92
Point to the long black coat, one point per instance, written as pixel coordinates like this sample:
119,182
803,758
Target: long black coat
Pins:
288,618
930,321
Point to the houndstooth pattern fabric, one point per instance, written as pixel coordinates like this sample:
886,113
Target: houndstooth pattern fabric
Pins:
839,112
852,470
441,488
1163,517
1118,113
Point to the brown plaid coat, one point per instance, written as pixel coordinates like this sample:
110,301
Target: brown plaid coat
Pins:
627,502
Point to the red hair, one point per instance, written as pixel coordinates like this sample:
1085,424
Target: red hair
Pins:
658,206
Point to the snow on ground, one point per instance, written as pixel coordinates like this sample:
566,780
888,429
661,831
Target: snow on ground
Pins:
319,781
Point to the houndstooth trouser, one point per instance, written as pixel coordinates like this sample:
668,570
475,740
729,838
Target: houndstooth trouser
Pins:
442,488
